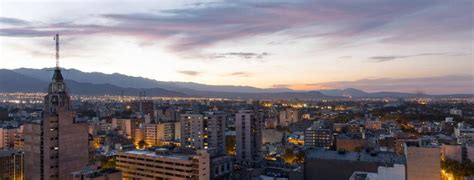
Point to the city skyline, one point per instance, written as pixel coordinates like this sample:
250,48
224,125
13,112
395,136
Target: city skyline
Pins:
416,46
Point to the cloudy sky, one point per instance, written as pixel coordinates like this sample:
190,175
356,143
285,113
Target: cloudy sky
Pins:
375,45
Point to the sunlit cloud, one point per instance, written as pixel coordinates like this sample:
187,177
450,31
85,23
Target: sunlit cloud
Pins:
288,43
438,85
190,73
240,74
379,59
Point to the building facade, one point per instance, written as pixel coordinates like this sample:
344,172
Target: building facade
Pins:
163,164
423,162
289,116
58,145
11,164
248,137
318,135
204,131
161,133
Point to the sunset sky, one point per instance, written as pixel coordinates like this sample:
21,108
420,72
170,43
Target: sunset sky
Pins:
374,45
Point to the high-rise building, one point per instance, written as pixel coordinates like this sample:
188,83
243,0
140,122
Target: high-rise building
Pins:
162,164
58,145
11,164
248,136
192,135
7,137
203,131
161,133
18,139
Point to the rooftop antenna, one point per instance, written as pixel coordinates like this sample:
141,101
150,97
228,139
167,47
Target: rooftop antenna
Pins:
57,50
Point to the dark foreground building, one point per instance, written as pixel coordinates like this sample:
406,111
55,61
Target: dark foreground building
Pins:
327,165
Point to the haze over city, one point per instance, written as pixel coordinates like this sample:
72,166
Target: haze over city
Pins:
405,46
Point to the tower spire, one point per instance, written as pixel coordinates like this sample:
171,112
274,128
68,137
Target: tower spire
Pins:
57,50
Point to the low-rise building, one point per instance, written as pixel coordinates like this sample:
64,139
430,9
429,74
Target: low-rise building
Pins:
96,174
163,164
350,142
323,164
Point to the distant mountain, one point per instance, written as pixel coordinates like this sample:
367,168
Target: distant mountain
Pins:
11,81
140,82
310,95
356,93
349,92
95,83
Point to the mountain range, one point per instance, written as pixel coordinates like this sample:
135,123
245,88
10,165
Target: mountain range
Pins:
95,83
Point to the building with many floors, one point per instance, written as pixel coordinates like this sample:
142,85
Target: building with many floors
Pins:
248,137
11,164
163,164
58,145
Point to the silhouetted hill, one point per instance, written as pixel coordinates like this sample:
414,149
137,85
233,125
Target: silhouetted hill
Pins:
11,81
95,83
140,82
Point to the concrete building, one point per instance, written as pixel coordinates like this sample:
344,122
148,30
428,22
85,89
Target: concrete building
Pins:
289,116
423,162
397,172
163,164
7,137
221,167
203,131
455,111
464,134
319,135
351,142
248,137
123,126
11,164
19,140
58,145
324,164
161,133
373,124
452,152
165,114
96,174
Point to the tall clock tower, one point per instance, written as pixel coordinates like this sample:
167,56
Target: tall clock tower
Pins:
58,145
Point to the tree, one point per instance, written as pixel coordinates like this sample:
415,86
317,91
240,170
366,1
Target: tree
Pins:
142,144
289,156
230,145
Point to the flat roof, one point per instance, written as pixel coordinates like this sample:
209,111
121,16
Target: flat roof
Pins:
379,157
9,152
170,155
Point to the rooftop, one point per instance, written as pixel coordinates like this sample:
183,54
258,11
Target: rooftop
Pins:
9,152
379,157
168,155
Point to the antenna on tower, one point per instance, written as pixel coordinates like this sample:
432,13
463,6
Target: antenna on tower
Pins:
57,50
